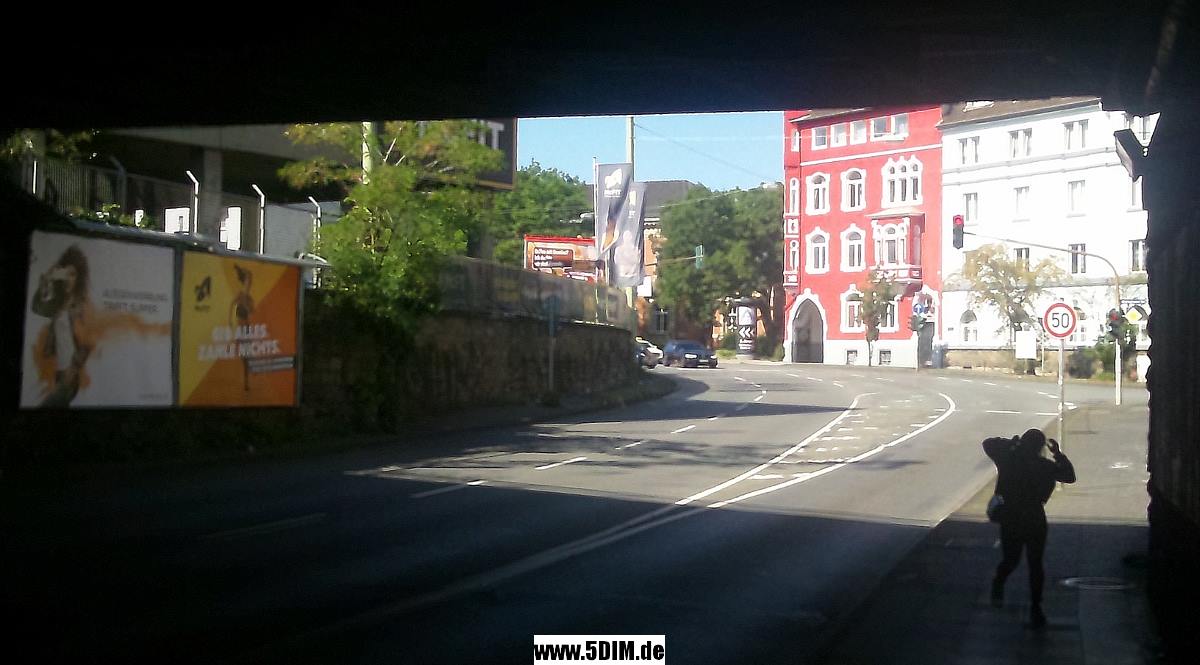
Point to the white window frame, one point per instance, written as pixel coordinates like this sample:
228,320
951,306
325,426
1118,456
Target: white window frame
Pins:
968,150
822,133
850,324
1017,255
894,307
861,133
1076,206
847,206
1020,143
811,251
1078,260
1137,255
970,208
1020,205
884,233
818,193
795,255
795,140
887,129
902,176
895,126
838,135
848,245
794,196
1075,135
882,361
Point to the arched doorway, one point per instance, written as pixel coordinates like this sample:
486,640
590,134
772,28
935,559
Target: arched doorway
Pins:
808,334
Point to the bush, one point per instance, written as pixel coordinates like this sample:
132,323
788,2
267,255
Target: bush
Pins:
1082,363
729,343
726,354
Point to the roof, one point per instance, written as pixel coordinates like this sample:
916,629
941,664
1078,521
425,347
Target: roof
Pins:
660,193
817,114
961,113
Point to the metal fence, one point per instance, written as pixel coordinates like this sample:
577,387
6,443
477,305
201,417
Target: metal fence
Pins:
471,285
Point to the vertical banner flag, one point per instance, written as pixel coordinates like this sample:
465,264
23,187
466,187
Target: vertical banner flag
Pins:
238,330
97,324
627,261
612,188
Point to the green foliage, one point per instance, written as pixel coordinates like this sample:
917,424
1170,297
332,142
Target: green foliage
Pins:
541,202
729,342
1106,351
110,213
71,146
765,347
416,206
726,354
876,296
1007,285
741,236
1082,363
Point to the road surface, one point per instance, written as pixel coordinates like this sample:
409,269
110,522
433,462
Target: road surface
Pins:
744,517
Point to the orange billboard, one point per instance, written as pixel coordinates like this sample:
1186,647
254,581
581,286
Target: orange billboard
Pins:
562,256
238,332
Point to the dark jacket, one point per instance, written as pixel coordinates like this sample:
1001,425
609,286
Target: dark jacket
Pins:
1026,481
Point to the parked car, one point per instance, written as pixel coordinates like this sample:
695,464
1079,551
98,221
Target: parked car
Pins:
648,355
688,353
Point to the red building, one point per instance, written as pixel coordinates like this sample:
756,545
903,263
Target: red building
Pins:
862,193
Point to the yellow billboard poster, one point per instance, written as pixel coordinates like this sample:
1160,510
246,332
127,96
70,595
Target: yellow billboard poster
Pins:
238,332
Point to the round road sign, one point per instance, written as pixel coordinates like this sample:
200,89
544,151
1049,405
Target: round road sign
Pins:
1059,320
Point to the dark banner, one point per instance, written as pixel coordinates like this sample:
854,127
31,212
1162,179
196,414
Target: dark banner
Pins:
627,257
612,190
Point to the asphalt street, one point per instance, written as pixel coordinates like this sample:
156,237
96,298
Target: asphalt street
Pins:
744,516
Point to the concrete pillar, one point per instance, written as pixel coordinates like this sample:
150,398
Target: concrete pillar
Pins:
208,222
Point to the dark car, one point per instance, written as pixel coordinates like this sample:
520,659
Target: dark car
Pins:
688,353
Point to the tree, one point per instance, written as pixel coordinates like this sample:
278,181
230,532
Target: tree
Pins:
417,205
877,295
542,202
1008,285
742,239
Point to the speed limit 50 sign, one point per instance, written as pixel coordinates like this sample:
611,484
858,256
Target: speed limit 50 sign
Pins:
1059,320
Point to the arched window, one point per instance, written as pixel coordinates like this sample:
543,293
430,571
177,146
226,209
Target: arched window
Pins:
891,244
853,189
902,181
853,249
794,196
795,140
818,252
818,193
852,311
793,262
970,326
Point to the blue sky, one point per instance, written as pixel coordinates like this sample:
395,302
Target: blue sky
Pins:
718,150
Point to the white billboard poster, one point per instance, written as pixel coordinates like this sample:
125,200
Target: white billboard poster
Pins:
98,321
1026,345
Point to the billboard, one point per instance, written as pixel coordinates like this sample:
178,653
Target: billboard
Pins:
97,324
611,192
238,332
562,256
627,256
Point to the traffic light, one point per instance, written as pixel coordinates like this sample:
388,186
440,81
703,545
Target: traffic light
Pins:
699,256
958,232
1114,324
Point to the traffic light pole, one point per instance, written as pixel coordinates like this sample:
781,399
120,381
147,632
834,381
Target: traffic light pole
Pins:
1117,285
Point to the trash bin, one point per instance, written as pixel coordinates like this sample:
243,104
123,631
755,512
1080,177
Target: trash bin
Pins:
939,356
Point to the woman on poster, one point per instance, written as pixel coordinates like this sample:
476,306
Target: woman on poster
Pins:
62,297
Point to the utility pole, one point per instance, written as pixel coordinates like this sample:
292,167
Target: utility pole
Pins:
368,142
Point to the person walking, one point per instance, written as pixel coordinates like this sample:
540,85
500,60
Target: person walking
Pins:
1025,481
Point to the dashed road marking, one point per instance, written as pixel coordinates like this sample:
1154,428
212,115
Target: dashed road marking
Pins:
838,384
714,417
813,378
551,466
1008,412
759,398
796,376
740,379
443,490
967,380
767,476
630,445
266,527
684,429
1043,413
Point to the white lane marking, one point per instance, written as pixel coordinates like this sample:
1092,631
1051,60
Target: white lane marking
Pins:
838,438
888,380
917,424
781,456
967,380
266,527
838,384
813,378
871,428
845,429
740,379
759,398
1010,412
858,376
988,383
942,378
714,417
1071,407
795,376
758,386
684,429
443,490
1043,413
551,466
549,436
767,476
930,417
630,445
1047,395
802,477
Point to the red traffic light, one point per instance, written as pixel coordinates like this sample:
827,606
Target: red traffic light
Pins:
958,220
1113,316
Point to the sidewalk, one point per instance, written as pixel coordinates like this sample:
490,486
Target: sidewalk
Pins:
934,607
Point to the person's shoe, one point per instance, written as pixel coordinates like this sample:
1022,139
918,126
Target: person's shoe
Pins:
1037,619
997,593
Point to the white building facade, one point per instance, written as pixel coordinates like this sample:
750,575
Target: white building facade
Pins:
1042,172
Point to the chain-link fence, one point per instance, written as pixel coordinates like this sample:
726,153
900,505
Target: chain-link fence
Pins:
471,285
